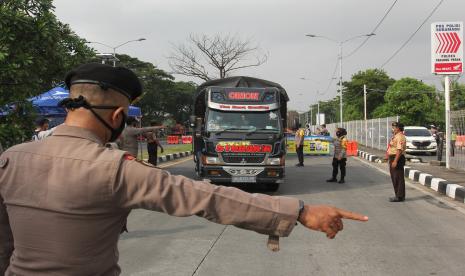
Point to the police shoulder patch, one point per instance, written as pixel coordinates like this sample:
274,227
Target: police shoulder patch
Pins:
129,157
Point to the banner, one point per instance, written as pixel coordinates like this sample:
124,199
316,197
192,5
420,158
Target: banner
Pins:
313,145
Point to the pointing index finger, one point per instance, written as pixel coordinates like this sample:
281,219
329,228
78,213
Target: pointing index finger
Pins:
351,215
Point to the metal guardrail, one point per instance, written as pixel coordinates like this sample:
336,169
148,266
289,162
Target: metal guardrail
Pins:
457,158
373,133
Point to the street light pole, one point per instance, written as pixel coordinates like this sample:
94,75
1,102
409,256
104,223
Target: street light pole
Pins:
116,47
341,43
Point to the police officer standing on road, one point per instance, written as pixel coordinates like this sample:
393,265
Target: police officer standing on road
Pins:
152,145
64,214
340,155
396,156
299,145
128,140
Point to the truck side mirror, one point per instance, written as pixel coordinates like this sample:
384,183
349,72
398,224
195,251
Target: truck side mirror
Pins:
192,120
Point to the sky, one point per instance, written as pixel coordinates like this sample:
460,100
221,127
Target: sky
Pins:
279,28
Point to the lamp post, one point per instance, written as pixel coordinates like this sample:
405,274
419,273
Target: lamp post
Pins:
341,44
116,47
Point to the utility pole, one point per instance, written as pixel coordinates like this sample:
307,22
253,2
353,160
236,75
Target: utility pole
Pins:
365,112
340,80
341,44
448,132
318,117
311,115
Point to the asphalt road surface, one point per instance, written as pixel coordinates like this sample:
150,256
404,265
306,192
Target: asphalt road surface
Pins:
421,236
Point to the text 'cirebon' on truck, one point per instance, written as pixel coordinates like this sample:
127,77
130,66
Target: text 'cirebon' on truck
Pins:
239,125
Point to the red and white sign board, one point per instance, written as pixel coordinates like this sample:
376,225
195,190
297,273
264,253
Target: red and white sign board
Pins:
447,48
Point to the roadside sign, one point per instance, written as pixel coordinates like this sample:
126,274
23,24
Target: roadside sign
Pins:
447,48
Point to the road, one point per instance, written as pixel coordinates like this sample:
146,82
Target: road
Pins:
421,236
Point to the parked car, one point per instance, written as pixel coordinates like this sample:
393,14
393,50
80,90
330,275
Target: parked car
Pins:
420,140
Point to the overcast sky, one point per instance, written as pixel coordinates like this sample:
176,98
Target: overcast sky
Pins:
279,27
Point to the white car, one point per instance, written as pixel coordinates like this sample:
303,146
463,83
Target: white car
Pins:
420,140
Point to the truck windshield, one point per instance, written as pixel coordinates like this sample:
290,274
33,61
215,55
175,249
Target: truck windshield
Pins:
248,121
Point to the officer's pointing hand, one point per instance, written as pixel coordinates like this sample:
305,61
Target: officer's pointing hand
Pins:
327,219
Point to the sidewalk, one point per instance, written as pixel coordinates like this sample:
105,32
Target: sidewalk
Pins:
444,181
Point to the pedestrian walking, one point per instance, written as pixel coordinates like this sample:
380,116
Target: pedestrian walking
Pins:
152,145
64,215
340,156
128,140
299,145
396,160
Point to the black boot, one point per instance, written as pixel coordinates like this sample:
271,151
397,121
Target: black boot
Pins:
341,181
332,180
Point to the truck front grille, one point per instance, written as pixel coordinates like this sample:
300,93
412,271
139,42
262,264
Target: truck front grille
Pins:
243,158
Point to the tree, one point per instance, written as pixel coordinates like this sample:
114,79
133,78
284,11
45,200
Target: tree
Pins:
415,102
202,55
36,50
162,96
330,108
457,96
377,81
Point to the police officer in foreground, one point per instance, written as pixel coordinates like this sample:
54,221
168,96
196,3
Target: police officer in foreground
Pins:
64,200
396,160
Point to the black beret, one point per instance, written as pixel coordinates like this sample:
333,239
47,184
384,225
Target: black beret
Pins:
120,79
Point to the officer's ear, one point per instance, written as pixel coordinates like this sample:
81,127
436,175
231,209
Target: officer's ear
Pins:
117,116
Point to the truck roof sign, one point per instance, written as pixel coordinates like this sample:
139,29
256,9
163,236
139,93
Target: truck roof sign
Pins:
249,96
243,99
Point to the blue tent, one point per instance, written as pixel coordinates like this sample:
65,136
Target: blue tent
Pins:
47,103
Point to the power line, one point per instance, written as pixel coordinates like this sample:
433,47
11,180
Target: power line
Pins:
332,78
373,31
411,36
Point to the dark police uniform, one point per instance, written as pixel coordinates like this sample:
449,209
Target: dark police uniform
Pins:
65,199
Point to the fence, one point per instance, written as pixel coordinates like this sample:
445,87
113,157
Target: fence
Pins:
375,133
457,120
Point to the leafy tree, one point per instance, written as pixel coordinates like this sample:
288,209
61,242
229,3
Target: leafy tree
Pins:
415,102
330,108
457,96
163,97
377,81
36,50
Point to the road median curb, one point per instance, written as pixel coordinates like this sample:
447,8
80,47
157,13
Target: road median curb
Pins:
172,156
440,185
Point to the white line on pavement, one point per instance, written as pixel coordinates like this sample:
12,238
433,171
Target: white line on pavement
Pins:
410,184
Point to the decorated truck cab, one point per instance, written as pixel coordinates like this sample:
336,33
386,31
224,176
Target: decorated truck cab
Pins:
239,125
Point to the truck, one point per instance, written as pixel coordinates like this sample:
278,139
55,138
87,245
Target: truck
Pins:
239,131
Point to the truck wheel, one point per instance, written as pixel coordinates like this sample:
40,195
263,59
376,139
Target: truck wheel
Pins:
272,187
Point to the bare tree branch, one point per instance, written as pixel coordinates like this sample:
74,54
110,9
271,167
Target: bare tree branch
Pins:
202,55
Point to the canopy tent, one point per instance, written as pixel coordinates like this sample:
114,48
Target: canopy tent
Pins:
47,103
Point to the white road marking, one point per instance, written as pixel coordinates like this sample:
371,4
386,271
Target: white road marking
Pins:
419,188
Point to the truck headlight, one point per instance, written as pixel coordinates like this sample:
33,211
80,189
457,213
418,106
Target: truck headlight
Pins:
211,160
273,161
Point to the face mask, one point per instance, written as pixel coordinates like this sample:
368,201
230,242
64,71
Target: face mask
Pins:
81,102
115,133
